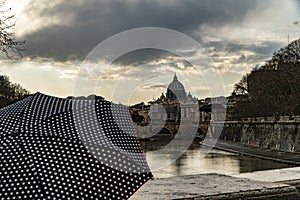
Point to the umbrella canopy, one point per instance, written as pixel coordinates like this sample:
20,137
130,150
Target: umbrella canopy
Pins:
55,148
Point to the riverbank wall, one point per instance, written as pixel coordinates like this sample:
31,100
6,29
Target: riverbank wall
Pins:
283,135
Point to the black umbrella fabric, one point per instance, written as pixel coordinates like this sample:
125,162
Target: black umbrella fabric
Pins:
53,148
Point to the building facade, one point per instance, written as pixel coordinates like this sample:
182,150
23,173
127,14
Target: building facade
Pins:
174,107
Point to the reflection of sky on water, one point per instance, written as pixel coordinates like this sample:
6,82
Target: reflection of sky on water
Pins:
215,162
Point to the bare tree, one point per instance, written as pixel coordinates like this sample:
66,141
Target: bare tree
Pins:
9,45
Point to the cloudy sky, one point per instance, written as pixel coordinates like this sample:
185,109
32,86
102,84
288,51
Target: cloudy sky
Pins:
59,34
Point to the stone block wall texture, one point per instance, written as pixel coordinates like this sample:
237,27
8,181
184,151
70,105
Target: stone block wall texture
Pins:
279,136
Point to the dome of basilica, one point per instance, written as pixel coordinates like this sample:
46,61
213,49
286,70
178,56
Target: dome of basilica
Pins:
176,90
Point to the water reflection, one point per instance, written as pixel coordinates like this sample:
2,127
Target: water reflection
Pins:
192,163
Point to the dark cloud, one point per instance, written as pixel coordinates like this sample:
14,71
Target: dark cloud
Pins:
230,47
265,47
155,86
141,57
223,51
259,51
296,23
145,56
250,59
91,22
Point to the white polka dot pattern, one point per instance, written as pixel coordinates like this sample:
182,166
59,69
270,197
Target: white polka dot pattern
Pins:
54,148
11,116
108,138
17,174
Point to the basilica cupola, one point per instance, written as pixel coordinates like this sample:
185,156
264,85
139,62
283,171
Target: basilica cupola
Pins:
175,90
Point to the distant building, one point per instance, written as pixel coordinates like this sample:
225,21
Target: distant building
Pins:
177,107
174,106
176,91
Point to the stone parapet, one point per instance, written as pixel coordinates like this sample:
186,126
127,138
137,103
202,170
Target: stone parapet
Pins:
213,187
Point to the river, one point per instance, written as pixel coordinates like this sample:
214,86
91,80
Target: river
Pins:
190,162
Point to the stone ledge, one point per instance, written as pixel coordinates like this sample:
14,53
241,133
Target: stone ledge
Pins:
213,187
274,175
288,176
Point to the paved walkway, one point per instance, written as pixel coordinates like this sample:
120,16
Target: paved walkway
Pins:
280,156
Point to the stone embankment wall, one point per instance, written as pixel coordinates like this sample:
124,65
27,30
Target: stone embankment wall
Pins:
283,134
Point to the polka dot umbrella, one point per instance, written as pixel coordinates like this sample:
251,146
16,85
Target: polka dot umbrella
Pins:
53,148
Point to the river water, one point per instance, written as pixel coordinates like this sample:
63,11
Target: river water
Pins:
190,162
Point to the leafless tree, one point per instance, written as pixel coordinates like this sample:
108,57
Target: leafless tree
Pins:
9,45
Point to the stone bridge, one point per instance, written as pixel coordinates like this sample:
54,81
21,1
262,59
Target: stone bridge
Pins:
171,129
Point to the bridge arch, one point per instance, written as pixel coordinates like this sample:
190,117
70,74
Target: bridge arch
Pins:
162,130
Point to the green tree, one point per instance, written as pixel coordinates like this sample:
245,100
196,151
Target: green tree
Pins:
5,87
286,55
273,88
241,88
10,92
18,91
